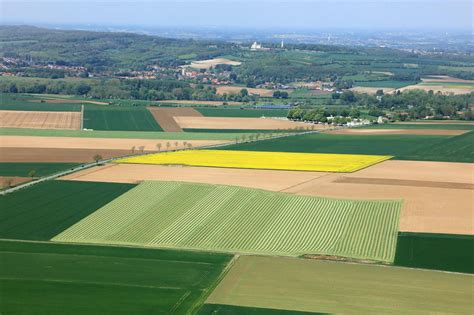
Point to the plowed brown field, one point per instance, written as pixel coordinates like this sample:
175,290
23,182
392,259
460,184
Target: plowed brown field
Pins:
95,143
239,123
40,120
164,116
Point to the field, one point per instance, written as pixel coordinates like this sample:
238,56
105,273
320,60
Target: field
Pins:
48,278
118,134
406,147
436,251
41,169
46,209
234,219
428,189
164,116
251,178
396,131
438,125
40,120
27,102
96,143
10,181
341,288
210,63
230,112
196,103
212,309
228,89
118,118
56,155
261,160
238,123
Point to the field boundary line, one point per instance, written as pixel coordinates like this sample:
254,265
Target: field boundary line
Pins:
208,291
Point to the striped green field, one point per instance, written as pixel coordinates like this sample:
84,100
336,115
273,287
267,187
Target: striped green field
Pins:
234,219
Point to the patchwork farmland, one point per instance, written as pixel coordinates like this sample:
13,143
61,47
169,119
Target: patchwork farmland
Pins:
40,120
232,219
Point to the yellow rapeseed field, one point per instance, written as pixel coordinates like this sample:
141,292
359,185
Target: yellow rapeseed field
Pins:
318,162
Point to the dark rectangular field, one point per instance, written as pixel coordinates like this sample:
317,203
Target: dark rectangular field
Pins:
436,251
119,118
52,278
46,209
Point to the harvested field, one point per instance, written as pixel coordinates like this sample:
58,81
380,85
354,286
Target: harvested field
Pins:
95,143
371,90
444,78
261,160
240,123
234,219
443,88
11,155
342,288
435,132
46,209
164,116
197,103
437,197
40,119
51,278
209,63
227,89
137,173
435,122
10,181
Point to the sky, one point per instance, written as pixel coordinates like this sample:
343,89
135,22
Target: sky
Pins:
442,15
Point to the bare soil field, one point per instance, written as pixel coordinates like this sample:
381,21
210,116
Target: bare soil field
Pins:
445,78
435,122
437,196
40,120
96,143
210,103
445,89
239,123
439,132
10,181
66,100
371,90
164,116
136,173
209,63
57,155
236,90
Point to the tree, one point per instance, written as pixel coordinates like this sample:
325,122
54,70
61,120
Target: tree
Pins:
244,92
32,173
158,147
97,158
176,145
168,145
7,182
354,113
190,145
133,150
185,144
141,148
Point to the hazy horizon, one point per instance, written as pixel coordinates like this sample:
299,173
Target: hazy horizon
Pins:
367,15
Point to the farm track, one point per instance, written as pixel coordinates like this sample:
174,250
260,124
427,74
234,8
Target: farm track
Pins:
233,219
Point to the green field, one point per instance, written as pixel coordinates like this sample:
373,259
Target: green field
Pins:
436,251
224,112
119,118
234,219
32,103
41,169
445,126
49,278
213,309
385,84
342,288
403,147
238,131
119,134
46,209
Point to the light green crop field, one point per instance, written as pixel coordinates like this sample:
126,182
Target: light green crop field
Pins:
234,219
120,134
342,288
